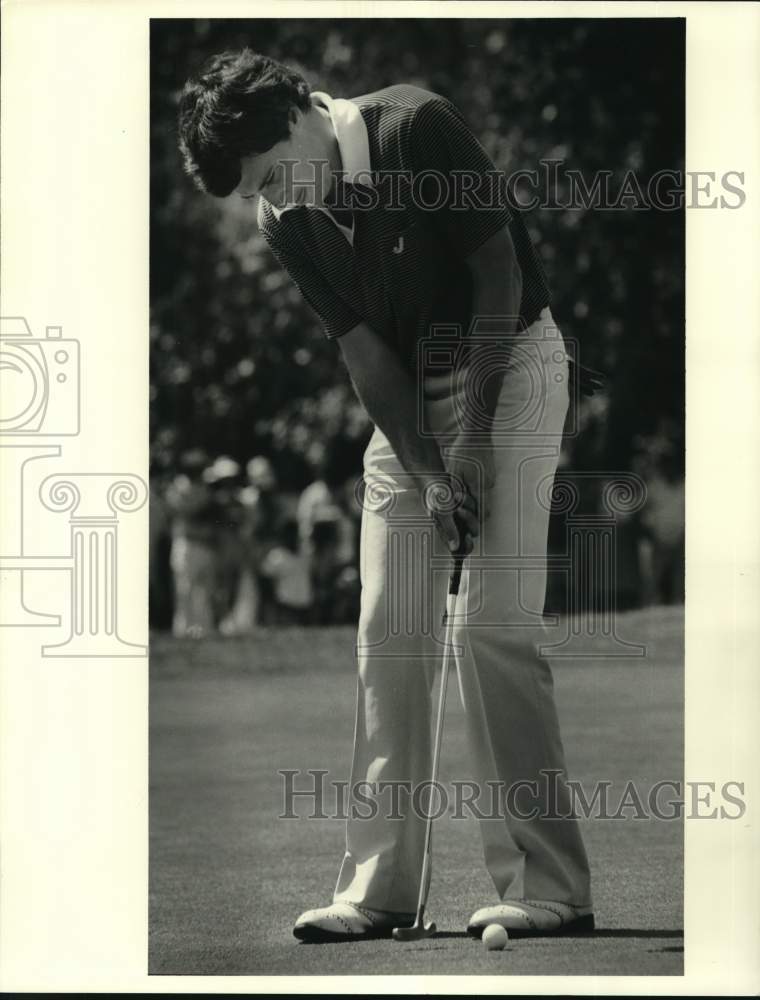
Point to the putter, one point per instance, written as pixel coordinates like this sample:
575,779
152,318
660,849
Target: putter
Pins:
419,928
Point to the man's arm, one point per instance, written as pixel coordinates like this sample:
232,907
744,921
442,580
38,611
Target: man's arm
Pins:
497,290
335,315
389,395
441,141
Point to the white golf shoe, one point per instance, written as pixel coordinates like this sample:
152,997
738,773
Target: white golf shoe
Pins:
348,922
533,918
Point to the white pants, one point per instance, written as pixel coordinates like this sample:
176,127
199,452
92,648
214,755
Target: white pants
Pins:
505,686
193,565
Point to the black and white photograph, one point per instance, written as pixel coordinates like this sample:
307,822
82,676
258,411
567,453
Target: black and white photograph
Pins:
417,413
379,462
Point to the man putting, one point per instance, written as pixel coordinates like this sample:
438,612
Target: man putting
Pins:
384,211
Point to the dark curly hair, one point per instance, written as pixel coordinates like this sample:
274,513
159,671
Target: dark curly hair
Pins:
236,106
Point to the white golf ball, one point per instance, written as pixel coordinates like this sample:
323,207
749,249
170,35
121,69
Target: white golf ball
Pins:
495,937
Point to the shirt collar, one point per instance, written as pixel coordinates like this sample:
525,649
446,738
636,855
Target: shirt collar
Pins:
353,142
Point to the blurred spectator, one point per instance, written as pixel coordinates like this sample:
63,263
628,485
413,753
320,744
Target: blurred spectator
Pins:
346,596
326,562
327,524
288,569
326,500
222,478
193,548
260,514
662,543
160,597
661,521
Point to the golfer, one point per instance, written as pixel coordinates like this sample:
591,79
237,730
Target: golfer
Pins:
385,212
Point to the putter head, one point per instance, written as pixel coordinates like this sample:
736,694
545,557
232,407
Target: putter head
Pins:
416,932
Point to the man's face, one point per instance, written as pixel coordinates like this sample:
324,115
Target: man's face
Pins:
292,172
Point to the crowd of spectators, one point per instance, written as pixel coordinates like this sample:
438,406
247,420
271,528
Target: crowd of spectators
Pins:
231,551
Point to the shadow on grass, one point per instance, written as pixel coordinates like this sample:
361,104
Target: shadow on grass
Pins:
625,932
600,932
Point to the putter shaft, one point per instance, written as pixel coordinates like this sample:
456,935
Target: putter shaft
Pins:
419,929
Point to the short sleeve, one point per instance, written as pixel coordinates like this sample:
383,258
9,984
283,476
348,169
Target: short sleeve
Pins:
471,193
336,317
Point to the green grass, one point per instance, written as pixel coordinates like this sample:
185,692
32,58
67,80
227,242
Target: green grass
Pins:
227,878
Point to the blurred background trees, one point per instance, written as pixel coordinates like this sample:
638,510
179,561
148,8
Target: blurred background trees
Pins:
239,365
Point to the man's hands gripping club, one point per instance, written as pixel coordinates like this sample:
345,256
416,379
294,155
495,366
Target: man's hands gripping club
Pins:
453,490
453,501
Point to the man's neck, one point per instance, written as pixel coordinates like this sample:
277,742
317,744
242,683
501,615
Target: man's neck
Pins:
335,161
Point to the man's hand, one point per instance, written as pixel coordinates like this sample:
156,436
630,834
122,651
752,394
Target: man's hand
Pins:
453,510
471,460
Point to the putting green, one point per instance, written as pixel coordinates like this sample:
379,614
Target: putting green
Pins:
227,878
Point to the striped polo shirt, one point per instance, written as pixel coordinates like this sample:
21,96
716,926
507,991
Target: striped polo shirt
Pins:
418,195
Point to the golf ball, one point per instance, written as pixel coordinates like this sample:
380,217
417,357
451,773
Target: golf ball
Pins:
495,937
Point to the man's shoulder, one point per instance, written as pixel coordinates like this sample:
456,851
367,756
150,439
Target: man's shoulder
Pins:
275,229
397,99
390,115
264,216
